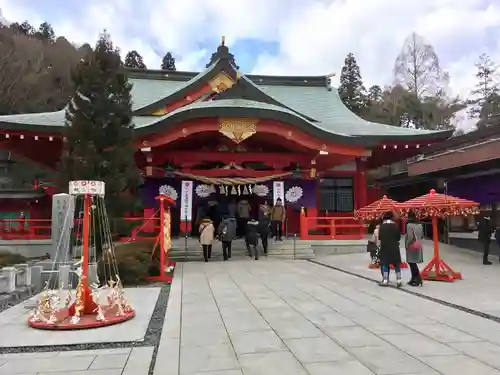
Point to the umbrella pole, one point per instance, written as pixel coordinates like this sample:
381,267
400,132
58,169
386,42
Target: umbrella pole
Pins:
437,269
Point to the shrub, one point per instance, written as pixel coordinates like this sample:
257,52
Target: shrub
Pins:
133,261
8,259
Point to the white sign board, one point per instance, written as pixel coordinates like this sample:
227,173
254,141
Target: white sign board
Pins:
279,191
87,187
187,200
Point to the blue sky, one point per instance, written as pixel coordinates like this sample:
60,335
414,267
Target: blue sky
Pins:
291,37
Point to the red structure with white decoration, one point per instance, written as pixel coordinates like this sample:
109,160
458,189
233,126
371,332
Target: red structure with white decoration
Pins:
220,125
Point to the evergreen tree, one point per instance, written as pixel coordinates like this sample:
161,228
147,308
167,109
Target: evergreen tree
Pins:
99,128
134,60
168,62
485,101
46,32
24,28
351,88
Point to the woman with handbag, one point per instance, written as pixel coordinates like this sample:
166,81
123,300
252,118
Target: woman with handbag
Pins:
206,237
413,245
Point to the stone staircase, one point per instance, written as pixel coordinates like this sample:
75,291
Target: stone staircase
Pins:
189,249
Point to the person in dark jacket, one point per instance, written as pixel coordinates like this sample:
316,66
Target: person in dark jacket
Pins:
226,233
264,226
485,230
252,238
389,237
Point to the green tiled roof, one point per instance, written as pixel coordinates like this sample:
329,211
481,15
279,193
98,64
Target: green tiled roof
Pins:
147,91
43,119
326,106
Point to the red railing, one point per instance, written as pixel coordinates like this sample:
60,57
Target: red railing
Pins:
140,228
25,229
331,228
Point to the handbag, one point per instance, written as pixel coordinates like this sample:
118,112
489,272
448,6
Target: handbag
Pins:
416,245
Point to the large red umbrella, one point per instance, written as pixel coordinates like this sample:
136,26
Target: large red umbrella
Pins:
436,206
377,209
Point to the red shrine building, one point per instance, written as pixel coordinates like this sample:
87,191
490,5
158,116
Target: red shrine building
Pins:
223,135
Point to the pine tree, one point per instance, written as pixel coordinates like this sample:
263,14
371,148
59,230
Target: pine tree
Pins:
46,32
134,60
168,62
99,128
351,88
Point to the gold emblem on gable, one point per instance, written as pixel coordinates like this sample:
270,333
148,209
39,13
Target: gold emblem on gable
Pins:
159,112
221,82
238,129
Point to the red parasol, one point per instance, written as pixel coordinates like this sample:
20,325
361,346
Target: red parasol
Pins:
436,206
377,209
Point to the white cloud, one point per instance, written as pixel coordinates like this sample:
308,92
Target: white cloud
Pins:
314,36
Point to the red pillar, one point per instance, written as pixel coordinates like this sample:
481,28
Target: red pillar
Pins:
360,188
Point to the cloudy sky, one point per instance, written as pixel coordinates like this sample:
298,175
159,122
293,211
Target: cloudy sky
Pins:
292,37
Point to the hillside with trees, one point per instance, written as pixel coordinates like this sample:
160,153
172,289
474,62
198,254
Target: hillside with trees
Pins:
38,70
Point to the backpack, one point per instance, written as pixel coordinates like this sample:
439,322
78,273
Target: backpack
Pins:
222,231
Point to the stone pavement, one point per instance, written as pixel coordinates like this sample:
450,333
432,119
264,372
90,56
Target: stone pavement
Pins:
295,317
477,291
85,362
14,330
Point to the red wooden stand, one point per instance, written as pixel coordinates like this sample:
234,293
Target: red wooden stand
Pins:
437,269
163,277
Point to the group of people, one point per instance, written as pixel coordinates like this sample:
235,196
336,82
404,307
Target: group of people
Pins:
384,248
239,223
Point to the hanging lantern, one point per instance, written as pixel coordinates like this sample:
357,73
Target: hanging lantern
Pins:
245,190
312,173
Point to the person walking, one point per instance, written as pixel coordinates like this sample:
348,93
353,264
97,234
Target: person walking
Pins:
389,237
252,238
226,234
264,225
206,237
278,215
244,211
414,251
485,230
372,247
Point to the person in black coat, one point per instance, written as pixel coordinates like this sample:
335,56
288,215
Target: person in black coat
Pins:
226,233
252,238
264,226
485,230
389,237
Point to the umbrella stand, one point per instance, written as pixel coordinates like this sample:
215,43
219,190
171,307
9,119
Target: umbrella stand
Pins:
437,269
436,205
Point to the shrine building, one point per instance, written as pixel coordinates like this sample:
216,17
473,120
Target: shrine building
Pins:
223,135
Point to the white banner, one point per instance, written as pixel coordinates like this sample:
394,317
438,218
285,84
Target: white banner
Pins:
187,201
279,191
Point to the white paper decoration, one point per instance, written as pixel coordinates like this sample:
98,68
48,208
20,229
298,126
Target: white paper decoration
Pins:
293,194
169,191
203,190
261,190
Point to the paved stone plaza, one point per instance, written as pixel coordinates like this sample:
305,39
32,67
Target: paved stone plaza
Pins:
15,331
269,317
